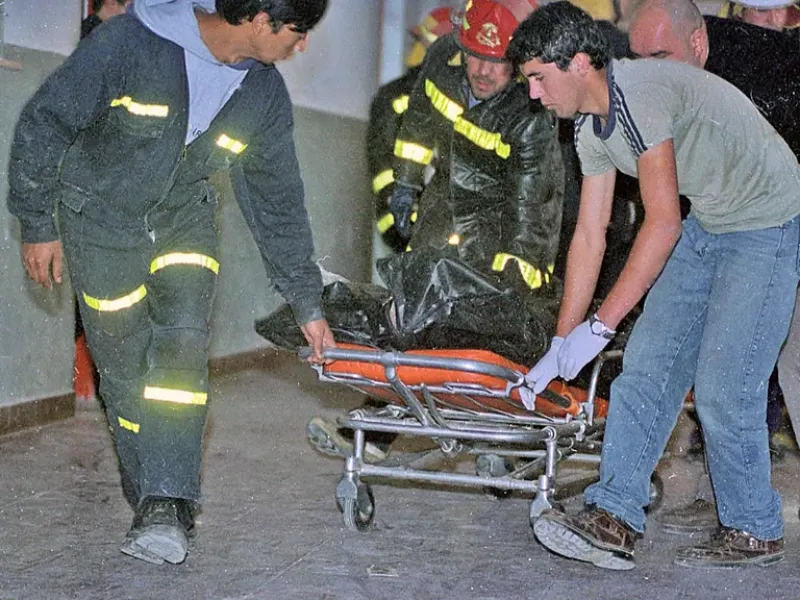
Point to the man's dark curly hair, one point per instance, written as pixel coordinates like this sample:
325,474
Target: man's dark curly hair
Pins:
302,15
555,34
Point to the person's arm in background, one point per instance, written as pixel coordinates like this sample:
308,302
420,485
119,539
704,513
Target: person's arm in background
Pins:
414,145
386,114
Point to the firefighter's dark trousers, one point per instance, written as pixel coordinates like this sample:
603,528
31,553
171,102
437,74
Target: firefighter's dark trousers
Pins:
146,292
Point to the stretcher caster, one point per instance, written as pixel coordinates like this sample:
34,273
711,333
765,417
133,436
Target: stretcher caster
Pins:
356,503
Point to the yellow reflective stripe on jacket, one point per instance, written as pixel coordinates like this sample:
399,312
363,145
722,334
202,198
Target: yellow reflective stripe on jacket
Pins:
385,222
115,304
452,111
184,258
532,276
176,396
141,110
235,146
482,138
381,180
400,104
413,152
129,425
449,108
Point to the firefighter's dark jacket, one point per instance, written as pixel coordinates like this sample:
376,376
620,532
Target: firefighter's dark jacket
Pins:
105,135
498,165
385,116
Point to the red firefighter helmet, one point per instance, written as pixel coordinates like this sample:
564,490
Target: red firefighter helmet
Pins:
488,25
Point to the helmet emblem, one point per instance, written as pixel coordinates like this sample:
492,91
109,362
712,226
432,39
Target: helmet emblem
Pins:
489,35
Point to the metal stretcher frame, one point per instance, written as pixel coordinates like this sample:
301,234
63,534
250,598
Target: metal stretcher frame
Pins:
474,425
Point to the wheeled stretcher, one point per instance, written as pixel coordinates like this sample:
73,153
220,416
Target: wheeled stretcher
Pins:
468,402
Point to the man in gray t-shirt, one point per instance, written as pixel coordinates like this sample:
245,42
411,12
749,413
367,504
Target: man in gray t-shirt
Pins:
722,283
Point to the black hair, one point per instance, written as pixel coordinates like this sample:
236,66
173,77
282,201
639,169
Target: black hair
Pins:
98,4
302,15
555,33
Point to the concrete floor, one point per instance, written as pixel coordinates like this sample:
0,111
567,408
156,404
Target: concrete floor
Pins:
270,528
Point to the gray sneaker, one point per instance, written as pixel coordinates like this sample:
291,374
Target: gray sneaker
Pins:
698,517
327,437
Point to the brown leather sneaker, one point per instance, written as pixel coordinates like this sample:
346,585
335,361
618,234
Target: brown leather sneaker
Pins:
593,535
730,548
698,517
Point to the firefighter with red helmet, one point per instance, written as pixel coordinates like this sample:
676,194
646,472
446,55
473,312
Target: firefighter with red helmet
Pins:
386,113
495,197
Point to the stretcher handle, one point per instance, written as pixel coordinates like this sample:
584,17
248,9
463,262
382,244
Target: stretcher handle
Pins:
402,359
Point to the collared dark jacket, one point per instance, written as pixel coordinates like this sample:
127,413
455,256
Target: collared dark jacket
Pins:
385,116
113,147
497,191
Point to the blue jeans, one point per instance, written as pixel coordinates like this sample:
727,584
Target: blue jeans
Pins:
715,320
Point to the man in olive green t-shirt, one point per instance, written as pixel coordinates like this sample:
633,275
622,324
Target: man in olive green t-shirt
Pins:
723,283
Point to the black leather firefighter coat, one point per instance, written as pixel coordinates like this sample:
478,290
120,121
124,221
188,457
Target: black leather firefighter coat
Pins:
497,191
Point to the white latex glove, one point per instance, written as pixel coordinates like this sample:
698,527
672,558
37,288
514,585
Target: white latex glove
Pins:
580,346
546,369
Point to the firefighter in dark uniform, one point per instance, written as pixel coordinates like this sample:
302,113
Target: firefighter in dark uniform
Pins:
495,198
123,160
386,114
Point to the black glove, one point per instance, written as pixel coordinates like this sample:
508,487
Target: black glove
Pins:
401,205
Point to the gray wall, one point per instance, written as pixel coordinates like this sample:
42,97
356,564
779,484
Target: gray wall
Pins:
36,326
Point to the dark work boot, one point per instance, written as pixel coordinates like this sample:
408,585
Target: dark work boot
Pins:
160,530
593,535
731,548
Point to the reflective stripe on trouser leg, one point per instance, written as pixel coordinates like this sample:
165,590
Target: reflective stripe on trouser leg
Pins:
181,290
174,404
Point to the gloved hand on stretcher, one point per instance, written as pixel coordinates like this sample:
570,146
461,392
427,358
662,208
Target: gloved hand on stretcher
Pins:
567,356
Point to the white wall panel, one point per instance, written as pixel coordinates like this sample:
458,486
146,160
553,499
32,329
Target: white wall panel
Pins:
49,25
339,72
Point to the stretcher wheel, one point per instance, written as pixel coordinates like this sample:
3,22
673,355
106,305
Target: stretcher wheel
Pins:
656,492
358,513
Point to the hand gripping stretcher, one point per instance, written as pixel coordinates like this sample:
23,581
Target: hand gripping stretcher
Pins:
468,402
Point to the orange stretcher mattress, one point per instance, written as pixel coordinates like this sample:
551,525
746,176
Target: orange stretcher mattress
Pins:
558,400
